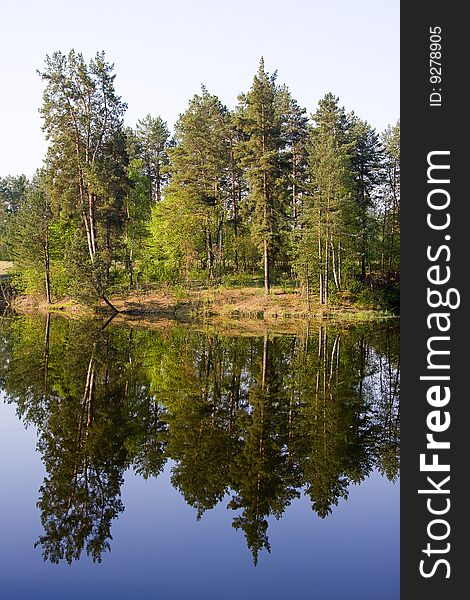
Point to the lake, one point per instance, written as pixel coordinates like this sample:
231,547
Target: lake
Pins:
171,462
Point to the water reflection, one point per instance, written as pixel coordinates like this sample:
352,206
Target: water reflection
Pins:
262,419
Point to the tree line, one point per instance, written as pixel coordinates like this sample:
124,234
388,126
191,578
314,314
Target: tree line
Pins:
262,192
251,421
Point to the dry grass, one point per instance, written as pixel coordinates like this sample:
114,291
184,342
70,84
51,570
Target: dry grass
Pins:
30,304
229,306
5,266
242,310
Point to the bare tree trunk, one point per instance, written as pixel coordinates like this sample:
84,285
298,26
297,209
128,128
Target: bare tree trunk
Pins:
266,266
294,186
320,261
131,263
91,218
235,218
265,240
220,243
392,240
333,263
327,265
339,263
382,254
47,270
265,214
158,184
111,306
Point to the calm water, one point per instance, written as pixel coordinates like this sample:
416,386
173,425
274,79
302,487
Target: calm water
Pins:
176,464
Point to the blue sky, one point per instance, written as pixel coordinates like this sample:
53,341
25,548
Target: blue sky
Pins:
164,50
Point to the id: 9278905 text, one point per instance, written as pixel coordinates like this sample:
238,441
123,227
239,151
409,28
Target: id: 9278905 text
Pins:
435,66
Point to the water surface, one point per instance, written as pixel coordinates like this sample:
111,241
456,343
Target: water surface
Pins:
180,464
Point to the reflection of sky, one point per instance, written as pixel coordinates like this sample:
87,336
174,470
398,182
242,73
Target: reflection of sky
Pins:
159,551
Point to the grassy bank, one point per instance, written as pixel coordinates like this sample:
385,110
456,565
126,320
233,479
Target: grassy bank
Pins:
224,305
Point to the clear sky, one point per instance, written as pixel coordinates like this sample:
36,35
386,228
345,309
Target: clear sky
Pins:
164,49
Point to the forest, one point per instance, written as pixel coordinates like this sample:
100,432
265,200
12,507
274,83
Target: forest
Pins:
263,194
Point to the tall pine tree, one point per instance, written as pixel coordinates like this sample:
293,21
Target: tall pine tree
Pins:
262,160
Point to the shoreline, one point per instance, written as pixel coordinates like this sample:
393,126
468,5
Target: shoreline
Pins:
244,308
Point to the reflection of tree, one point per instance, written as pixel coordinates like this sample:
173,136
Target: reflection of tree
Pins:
262,475
258,418
202,396
149,432
84,454
82,428
386,403
333,450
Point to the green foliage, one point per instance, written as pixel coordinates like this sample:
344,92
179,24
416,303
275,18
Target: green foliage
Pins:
150,142
29,237
12,192
176,243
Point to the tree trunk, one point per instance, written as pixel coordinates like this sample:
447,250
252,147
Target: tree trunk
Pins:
294,186
334,266
392,241
158,184
131,263
320,268
327,274
339,263
91,218
265,361
235,219
220,244
47,270
307,282
382,254
111,306
266,266
210,256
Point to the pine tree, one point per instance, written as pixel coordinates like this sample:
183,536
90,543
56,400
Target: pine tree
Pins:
267,196
365,163
390,204
323,236
200,165
294,132
29,235
152,140
12,192
87,154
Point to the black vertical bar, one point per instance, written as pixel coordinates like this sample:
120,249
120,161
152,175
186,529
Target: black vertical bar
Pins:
434,118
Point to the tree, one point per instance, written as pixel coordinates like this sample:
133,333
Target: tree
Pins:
390,205
177,238
200,164
262,126
30,233
138,205
294,132
365,164
323,234
82,118
12,192
151,138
